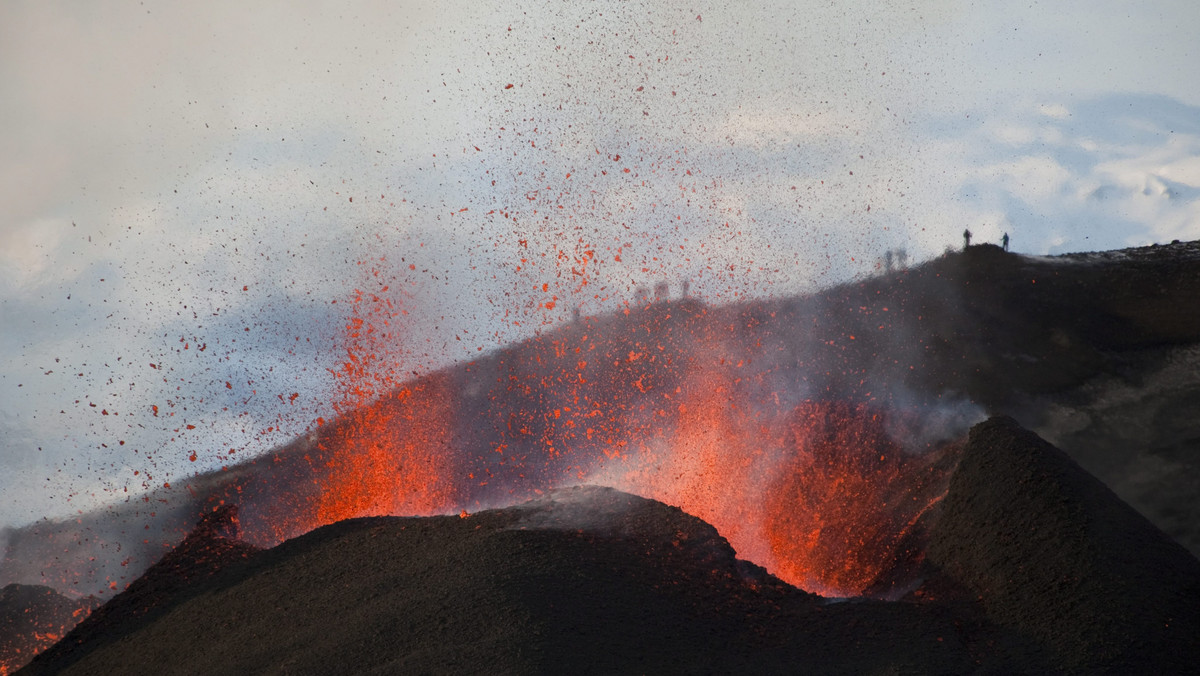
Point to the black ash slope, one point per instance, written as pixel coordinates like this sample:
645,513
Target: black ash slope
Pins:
1035,567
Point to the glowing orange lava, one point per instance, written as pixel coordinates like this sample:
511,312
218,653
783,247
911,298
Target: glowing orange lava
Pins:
391,458
838,516
386,454
827,495
714,463
39,626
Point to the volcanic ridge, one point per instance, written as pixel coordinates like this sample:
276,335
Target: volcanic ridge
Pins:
991,551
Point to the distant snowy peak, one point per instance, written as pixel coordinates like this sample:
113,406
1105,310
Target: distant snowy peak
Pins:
1147,185
1178,252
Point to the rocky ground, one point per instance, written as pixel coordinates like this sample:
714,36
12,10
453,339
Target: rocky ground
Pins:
1035,566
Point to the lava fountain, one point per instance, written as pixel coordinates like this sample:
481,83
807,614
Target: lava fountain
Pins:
793,429
670,403
843,514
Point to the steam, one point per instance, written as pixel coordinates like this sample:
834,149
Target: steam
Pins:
935,424
588,508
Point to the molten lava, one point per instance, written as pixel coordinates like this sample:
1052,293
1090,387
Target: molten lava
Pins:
391,458
841,515
389,447
828,495
32,618
790,446
714,462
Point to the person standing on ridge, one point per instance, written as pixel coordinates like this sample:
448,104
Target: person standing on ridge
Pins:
966,239
1004,241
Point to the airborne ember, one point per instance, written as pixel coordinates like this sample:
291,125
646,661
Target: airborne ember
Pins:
720,411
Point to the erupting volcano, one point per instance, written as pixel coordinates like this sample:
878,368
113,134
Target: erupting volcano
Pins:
818,435
703,408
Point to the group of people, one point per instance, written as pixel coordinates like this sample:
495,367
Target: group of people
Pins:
967,240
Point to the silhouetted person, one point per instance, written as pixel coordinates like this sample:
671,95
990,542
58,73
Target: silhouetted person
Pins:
1004,241
966,238
887,260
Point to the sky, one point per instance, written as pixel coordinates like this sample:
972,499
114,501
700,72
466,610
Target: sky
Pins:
191,194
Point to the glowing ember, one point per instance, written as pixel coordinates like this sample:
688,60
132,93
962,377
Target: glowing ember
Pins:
823,494
840,512
389,446
720,411
391,458
714,464
31,619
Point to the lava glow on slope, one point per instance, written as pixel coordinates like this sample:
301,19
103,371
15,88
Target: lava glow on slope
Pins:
389,460
821,491
810,432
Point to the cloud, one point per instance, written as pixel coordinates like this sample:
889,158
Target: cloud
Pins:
1055,110
1117,171
769,129
1030,178
29,253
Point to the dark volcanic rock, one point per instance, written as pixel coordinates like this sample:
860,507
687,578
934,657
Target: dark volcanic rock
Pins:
584,581
208,549
1052,553
1098,352
1037,568
33,617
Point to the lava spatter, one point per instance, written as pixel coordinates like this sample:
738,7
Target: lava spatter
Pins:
386,454
842,511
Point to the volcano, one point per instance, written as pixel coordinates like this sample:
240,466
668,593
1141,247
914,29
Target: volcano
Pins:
1034,566
824,438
